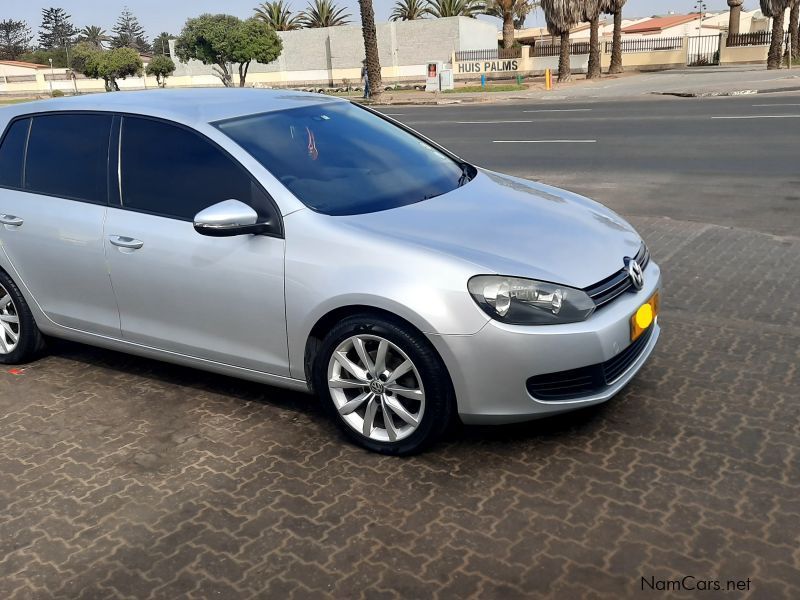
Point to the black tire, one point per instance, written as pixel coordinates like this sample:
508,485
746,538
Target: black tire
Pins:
31,341
439,396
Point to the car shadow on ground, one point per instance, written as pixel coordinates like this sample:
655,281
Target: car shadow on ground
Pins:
459,434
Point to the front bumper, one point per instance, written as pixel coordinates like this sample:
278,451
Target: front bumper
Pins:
490,368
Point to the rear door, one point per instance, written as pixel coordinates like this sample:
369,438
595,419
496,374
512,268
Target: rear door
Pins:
53,200
215,298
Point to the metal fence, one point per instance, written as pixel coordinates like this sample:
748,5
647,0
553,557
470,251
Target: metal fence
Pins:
648,45
555,49
759,38
491,54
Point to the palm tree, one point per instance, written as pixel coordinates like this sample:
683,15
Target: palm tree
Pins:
161,44
522,10
794,28
409,10
371,49
614,7
591,14
775,9
323,13
278,15
561,16
733,17
455,8
505,10
94,35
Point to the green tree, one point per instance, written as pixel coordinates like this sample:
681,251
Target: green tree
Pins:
94,35
81,53
455,8
278,15
160,67
108,65
224,40
56,29
161,44
128,33
15,39
42,57
323,13
409,10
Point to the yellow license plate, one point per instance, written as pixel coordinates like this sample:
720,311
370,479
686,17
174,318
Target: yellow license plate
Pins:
644,316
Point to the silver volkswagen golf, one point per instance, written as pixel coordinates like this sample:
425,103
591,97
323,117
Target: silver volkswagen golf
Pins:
313,244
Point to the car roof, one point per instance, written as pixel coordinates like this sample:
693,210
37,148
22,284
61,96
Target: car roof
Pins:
188,106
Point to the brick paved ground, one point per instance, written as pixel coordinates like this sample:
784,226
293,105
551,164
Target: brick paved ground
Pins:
123,477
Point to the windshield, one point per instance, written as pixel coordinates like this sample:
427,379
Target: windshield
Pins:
340,159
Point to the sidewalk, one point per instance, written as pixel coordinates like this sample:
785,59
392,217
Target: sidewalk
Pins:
688,82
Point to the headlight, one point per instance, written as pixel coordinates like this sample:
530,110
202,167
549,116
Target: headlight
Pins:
529,302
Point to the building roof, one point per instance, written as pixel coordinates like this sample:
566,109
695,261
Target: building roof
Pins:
661,23
188,106
19,63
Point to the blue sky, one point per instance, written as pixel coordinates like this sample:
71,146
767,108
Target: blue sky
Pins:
166,15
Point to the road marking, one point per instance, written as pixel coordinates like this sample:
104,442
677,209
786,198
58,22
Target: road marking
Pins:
544,141
776,104
548,110
485,122
759,117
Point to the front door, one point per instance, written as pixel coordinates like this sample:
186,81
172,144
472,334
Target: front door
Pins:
215,298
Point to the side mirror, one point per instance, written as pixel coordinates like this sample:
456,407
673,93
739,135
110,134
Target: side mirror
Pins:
228,218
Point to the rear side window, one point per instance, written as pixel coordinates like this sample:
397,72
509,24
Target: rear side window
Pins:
12,154
68,156
171,171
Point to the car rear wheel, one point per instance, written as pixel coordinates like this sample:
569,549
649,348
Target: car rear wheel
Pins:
385,385
20,339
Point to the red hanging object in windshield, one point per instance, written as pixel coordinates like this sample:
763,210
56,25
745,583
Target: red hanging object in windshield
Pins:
313,153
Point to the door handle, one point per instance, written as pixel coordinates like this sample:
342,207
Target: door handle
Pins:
11,220
125,242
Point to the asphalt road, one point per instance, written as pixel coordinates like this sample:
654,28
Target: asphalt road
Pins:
727,161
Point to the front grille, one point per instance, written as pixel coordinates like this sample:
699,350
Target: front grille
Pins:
586,381
609,288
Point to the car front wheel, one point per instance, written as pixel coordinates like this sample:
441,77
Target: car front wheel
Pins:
385,385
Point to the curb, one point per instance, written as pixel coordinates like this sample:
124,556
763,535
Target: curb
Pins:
724,94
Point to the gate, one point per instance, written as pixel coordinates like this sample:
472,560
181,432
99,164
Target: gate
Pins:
703,50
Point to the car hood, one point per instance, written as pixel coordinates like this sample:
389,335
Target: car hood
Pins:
516,227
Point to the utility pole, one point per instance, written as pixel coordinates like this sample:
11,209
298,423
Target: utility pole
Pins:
700,7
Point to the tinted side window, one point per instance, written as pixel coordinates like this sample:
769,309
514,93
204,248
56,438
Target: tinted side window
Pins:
12,154
68,156
171,171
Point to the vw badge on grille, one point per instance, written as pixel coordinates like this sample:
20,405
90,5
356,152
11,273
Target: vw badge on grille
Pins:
636,274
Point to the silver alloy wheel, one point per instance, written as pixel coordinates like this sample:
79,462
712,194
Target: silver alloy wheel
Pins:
9,323
376,388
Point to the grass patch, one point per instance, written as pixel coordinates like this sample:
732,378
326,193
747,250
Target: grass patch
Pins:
512,87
